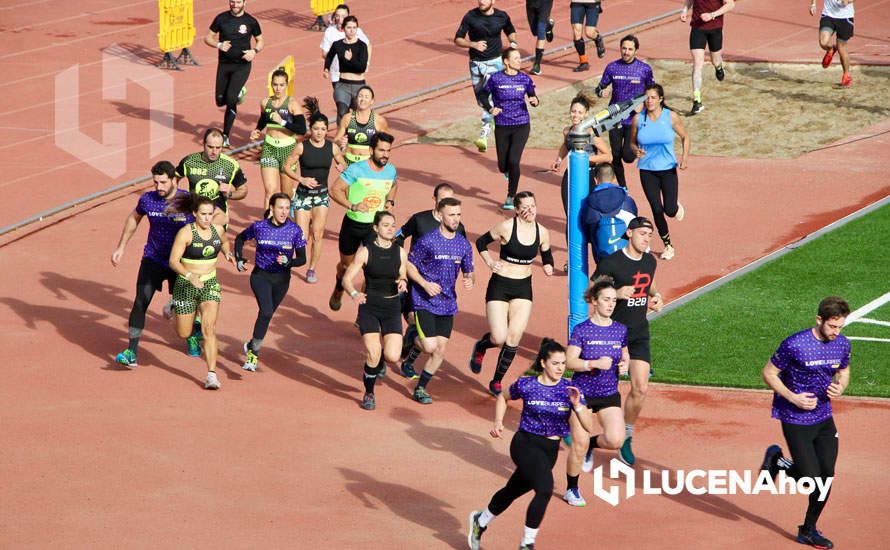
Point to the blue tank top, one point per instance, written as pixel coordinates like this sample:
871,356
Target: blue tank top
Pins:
656,137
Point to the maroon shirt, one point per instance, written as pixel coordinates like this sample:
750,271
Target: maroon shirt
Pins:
706,6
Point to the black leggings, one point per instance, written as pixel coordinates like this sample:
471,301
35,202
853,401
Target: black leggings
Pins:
814,451
661,188
150,279
564,187
230,78
619,141
535,457
269,289
510,142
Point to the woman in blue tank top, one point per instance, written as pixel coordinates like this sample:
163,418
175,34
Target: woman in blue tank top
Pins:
652,141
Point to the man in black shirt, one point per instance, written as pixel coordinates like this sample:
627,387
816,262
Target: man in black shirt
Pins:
633,270
480,32
230,33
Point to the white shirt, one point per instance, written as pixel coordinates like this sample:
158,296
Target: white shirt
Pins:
837,10
331,35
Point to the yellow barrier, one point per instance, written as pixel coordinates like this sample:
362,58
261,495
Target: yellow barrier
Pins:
177,24
288,64
324,7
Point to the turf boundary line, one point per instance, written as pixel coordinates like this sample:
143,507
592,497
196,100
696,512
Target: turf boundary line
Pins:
41,216
717,283
670,385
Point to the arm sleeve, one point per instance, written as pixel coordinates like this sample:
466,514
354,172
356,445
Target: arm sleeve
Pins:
246,235
508,25
180,168
418,253
297,125
299,257
783,355
216,25
262,121
348,175
529,86
623,337
361,58
650,79
463,29
466,263
329,57
606,79
140,207
407,230
516,390
238,178
257,30
576,339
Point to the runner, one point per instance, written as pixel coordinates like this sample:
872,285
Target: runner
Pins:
597,354
508,300
548,401
633,270
508,91
837,19
808,371
280,246
153,270
230,33
354,58
433,265
597,150
539,22
355,130
364,188
628,77
706,30
311,200
480,32
385,271
586,13
652,141
335,32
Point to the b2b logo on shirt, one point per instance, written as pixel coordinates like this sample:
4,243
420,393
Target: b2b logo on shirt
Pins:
634,302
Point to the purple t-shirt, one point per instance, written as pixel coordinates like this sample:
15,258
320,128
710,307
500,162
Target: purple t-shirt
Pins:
545,409
597,341
438,260
162,225
628,80
808,364
272,241
508,93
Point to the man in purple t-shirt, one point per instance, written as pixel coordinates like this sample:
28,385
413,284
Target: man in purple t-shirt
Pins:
809,369
433,266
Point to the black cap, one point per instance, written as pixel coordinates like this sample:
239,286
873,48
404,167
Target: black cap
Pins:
638,222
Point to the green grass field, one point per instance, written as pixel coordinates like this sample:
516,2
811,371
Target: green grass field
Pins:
726,336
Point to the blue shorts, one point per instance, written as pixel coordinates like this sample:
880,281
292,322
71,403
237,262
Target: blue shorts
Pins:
582,12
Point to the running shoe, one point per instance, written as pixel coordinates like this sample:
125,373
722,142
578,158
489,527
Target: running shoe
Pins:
211,383
251,361
536,69
481,143
336,300
574,498
829,55
368,402
625,454
194,346
770,460
242,95
474,530
311,276
587,465
477,357
127,358
422,396
508,203
668,252
811,536
600,46
720,73
548,34
168,309
408,371
846,80
495,388
581,67
226,144
697,107
681,213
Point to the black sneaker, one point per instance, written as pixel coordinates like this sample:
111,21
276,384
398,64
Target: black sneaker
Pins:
422,396
601,47
720,73
476,358
408,371
536,69
474,530
809,535
582,67
368,402
697,107
548,34
495,388
770,460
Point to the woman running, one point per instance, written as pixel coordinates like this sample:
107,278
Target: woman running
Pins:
548,402
193,258
508,300
652,141
598,151
311,201
280,247
380,309
355,131
283,122
509,90
353,58
597,354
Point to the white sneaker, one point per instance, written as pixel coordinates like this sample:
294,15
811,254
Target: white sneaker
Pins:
168,309
574,498
587,465
681,213
668,253
211,383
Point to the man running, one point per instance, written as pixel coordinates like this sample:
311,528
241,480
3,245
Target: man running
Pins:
364,189
584,15
837,19
153,271
539,22
480,32
633,270
628,77
213,174
808,371
433,265
230,33
707,30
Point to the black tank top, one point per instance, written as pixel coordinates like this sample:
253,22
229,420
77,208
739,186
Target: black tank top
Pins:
315,162
360,134
202,250
515,252
382,270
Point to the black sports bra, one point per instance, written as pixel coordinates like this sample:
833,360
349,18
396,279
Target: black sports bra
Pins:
515,252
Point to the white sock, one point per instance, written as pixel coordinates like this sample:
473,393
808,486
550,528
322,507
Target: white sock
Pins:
529,536
485,518
628,430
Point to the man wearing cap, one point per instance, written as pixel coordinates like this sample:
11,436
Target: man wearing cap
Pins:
633,270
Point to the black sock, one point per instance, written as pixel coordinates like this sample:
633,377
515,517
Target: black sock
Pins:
424,379
370,378
579,47
133,344
572,481
539,54
413,354
380,364
593,444
505,359
196,328
485,342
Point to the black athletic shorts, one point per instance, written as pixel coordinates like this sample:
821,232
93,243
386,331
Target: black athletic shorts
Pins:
153,274
504,289
596,404
843,28
713,38
638,342
538,14
430,325
352,235
380,315
407,305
